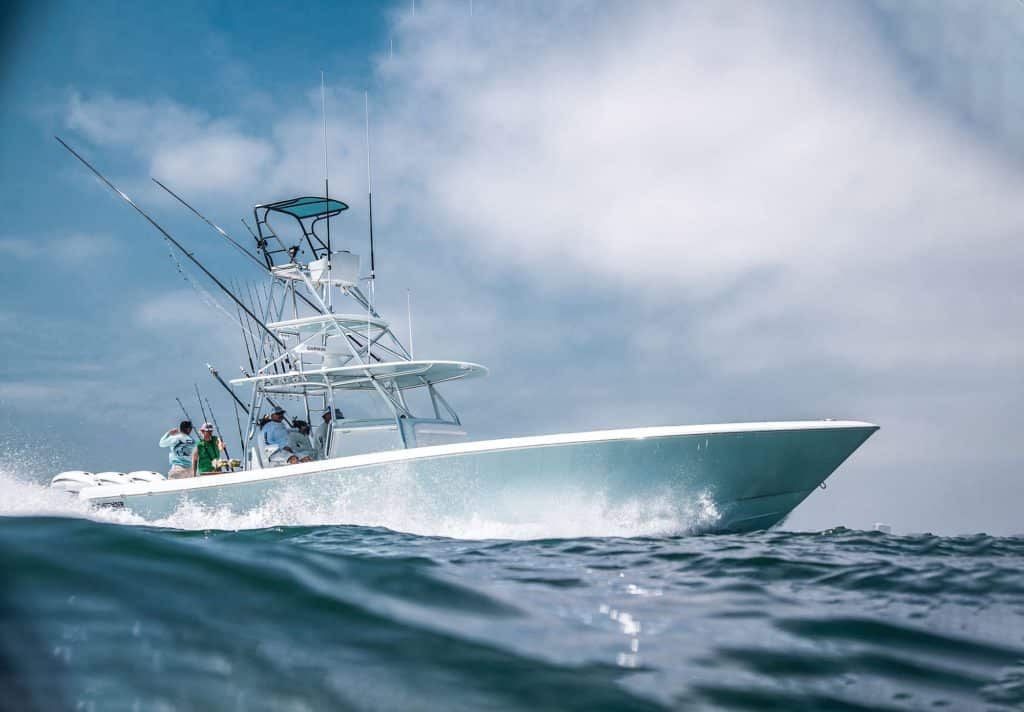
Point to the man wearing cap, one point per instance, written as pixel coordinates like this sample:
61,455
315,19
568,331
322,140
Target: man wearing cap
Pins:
275,436
208,449
182,444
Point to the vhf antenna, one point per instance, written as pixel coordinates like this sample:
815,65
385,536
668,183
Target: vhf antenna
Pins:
327,188
369,190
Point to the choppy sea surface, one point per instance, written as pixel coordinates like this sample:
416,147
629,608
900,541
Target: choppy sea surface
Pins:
576,610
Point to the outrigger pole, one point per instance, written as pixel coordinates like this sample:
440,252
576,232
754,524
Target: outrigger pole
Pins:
214,225
172,241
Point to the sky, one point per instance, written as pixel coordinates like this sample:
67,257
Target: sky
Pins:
632,213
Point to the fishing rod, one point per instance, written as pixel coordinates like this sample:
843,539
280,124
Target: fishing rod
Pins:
170,239
244,251
259,242
213,419
216,374
200,399
245,328
268,293
182,405
257,354
214,225
258,351
265,352
221,381
245,340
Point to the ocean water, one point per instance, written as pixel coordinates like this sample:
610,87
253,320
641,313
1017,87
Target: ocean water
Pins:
582,606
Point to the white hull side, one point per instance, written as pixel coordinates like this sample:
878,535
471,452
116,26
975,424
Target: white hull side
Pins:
754,473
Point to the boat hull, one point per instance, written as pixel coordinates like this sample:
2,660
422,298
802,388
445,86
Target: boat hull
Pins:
741,476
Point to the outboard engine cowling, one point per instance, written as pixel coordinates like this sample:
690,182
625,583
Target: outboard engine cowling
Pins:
73,481
146,476
111,478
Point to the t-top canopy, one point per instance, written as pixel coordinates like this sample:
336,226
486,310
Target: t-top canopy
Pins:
308,211
307,207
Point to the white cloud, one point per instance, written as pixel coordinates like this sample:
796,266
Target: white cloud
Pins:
212,163
695,147
20,393
182,146
17,247
77,248
183,313
69,250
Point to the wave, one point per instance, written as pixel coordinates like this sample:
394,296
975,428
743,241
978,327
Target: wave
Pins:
311,617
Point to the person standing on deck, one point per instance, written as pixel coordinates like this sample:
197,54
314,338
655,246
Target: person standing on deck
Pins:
323,434
208,449
181,443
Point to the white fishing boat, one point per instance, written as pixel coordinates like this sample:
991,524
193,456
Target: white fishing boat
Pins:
316,344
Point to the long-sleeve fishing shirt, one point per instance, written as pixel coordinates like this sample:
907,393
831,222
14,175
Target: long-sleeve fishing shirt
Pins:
275,434
181,446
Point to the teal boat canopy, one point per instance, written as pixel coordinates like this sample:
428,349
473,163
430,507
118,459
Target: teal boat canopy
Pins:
312,214
308,207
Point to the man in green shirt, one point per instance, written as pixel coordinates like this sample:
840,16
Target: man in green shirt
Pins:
208,449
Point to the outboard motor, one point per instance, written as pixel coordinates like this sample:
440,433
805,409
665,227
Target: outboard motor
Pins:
146,476
73,481
111,478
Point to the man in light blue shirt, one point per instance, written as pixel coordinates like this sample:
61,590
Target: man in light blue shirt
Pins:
275,436
181,443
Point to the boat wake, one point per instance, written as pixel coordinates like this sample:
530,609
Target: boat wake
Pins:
395,501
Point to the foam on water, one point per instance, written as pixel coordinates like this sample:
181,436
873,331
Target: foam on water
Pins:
21,497
402,504
587,514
